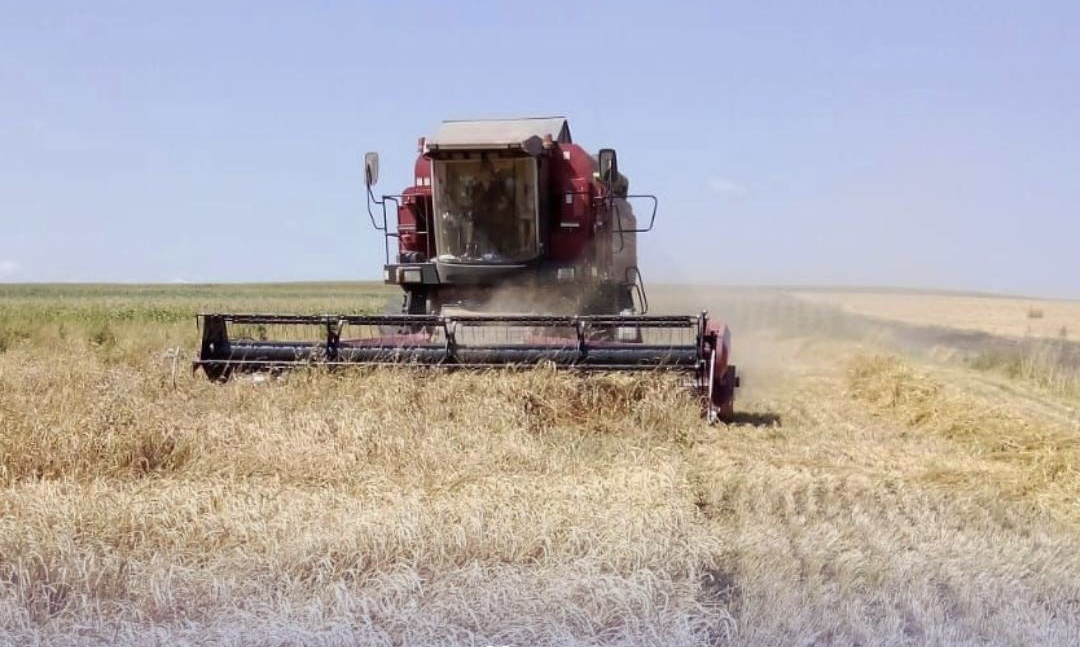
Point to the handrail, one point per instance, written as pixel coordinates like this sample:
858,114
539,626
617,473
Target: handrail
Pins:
638,284
652,216
396,199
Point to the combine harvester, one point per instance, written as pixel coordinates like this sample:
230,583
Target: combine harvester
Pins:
513,246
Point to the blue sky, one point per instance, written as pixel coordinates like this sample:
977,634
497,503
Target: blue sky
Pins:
920,144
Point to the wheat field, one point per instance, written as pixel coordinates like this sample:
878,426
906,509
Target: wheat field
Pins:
864,496
1005,316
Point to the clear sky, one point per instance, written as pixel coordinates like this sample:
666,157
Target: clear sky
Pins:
930,144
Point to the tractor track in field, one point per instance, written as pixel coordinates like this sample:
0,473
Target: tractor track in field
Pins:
840,503
919,500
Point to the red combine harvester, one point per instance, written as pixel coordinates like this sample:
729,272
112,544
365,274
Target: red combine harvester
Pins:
513,246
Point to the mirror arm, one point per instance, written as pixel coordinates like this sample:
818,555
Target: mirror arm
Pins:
618,219
371,199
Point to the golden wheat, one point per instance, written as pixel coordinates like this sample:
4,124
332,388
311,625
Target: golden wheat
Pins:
861,500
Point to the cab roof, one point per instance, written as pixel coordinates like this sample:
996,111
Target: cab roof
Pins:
498,133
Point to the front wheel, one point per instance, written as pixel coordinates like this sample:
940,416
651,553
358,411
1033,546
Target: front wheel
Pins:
394,306
413,302
724,395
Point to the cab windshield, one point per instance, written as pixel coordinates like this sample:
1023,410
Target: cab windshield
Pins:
486,210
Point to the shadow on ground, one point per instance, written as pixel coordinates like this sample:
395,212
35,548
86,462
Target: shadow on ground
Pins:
755,419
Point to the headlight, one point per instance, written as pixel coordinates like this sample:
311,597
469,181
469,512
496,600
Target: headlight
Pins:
564,274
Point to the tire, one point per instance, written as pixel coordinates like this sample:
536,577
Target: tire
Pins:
395,305
728,382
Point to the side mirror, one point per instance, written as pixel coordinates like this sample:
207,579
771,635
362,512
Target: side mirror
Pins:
371,169
609,166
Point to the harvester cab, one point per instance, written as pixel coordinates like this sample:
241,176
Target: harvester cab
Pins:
511,209
513,245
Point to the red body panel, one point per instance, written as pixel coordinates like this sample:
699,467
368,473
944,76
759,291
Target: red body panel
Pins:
414,212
